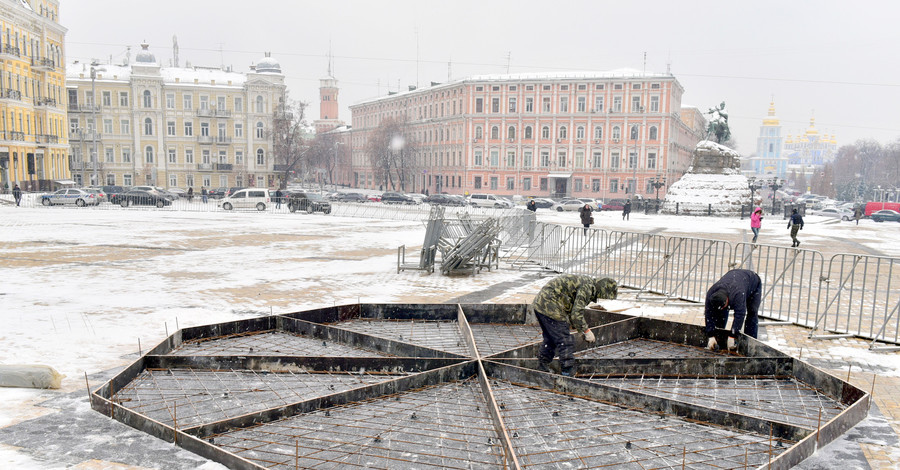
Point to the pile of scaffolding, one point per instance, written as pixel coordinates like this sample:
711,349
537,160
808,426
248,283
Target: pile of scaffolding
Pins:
466,245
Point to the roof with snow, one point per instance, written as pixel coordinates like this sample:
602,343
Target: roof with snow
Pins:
180,75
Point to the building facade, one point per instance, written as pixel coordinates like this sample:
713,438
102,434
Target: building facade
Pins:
810,149
769,160
603,134
143,124
33,145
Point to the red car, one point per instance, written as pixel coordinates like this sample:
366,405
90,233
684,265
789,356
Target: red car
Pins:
614,205
374,197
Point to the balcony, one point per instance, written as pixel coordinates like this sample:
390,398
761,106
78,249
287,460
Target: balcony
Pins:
80,165
45,102
46,139
9,94
222,113
15,135
84,135
205,166
224,166
8,50
206,112
43,64
223,140
83,108
205,139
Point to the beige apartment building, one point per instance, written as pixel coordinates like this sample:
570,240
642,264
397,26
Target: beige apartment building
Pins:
584,134
33,146
141,123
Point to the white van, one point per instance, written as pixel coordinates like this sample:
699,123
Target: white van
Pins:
247,198
489,200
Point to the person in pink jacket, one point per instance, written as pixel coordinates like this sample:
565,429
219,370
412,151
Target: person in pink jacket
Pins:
756,222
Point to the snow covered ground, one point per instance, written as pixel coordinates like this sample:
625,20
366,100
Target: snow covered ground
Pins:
81,287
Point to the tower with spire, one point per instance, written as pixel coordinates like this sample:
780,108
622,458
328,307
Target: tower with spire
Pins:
770,160
328,102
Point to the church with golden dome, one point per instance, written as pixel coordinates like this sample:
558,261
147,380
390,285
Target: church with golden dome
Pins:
769,160
810,149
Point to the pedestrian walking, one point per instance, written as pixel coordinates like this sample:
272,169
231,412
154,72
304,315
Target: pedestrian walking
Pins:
795,225
17,194
532,206
626,210
559,307
756,222
857,214
190,193
278,195
203,194
739,290
587,218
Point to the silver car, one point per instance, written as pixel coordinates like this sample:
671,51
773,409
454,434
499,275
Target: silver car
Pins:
79,197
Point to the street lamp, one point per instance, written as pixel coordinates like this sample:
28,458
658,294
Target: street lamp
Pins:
94,70
775,185
657,183
755,185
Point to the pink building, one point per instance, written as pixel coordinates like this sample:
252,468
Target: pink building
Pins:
586,134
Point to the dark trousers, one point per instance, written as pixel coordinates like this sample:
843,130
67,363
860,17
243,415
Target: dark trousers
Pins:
751,321
794,230
557,341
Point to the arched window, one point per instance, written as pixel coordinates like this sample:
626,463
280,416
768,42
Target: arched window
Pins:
479,133
528,132
148,154
634,132
545,132
579,132
511,132
148,100
260,157
598,132
260,105
260,130
495,132
654,133
616,133
563,132
148,126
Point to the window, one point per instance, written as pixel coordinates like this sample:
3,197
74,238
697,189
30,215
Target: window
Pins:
654,104
220,103
545,104
654,133
170,128
563,132
126,155
479,105
613,185
188,128
617,86
495,132
595,185
598,104
529,105
651,160
546,87
579,132
632,159
617,104
526,184
545,132
616,133
110,179
108,155
511,132
204,157
493,182
127,181
526,159
564,104
561,158
495,158
579,185
543,184
148,126
511,159
260,157
581,104
223,156
106,98
172,157
579,159
123,99
654,86
238,104
189,180
148,100
479,133
73,126
512,105
107,126
188,101
260,130
478,158
635,86
239,157
170,100
204,129
260,104
510,182
477,182
148,154
189,155
636,104
598,132
598,159
614,160
495,105
545,158
238,130
633,134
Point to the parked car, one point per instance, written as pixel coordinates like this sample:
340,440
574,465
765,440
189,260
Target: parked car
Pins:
543,203
417,197
308,202
834,212
595,204
217,193
886,215
614,205
568,205
143,198
79,197
233,190
99,194
396,198
445,200
112,192
249,198
350,197
489,200
178,192
374,197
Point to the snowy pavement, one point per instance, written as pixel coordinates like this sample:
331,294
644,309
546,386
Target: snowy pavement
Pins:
82,288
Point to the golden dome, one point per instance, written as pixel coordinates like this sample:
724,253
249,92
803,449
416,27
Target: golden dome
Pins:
771,120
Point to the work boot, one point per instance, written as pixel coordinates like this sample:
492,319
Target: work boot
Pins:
543,366
568,372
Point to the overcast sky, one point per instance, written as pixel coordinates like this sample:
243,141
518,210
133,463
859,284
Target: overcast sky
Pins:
835,60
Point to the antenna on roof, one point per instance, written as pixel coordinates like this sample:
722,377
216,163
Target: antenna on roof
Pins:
508,56
175,50
330,57
645,62
417,56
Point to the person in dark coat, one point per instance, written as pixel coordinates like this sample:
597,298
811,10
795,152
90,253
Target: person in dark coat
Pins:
795,225
559,307
17,194
739,290
203,194
586,218
278,196
190,194
532,206
626,210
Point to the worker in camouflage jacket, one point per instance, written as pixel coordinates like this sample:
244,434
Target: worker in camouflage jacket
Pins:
559,307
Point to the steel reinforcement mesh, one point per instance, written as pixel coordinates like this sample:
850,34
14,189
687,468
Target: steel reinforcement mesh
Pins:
270,343
646,348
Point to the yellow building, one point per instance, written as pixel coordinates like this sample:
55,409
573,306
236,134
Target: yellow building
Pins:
173,127
33,145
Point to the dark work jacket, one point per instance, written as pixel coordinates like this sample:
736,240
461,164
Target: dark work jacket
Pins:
738,284
585,215
796,219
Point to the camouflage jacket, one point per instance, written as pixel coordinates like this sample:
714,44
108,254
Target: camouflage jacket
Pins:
564,297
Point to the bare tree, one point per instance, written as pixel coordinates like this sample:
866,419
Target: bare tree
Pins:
324,154
287,137
392,152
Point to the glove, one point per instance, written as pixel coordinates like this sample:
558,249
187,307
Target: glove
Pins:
589,336
712,345
789,225
731,345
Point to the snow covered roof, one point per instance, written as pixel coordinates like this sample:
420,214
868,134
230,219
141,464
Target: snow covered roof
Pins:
180,75
268,65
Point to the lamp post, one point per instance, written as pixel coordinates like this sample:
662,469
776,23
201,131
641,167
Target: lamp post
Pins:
657,183
634,162
94,70
754,185
775,185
